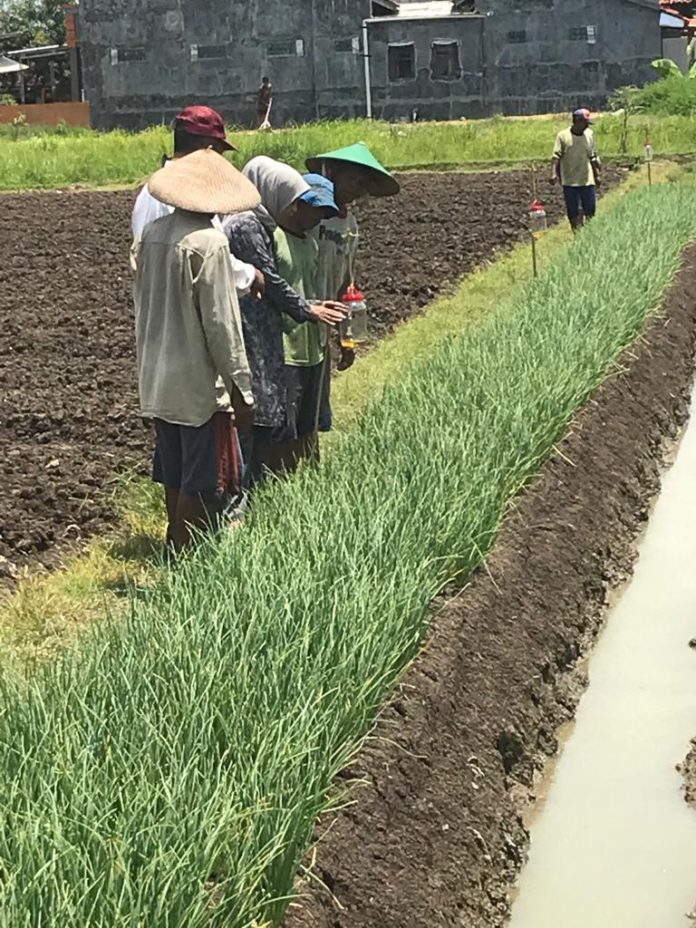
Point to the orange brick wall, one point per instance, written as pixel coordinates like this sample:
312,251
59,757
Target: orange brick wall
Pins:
48,114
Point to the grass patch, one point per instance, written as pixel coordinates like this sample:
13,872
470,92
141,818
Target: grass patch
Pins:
61,158
49,612
172,773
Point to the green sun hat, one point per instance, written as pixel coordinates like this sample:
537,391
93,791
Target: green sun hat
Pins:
382,184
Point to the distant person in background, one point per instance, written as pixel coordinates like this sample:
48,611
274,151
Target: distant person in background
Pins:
193,372
264,104
251,236
576,164
196,128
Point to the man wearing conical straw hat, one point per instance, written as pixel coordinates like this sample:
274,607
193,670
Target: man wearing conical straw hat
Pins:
189,339
196,128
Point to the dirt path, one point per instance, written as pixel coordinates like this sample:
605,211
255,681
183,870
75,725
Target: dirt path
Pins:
436,837
68,400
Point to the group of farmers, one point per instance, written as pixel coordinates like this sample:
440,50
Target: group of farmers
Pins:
238,279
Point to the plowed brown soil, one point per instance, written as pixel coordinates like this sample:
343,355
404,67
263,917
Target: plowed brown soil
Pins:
435,838
68,402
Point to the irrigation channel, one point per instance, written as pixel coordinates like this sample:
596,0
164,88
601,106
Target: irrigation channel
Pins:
613,842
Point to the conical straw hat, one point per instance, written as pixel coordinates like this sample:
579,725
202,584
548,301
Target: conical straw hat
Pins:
204,182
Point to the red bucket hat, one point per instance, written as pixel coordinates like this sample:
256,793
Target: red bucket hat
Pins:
202,120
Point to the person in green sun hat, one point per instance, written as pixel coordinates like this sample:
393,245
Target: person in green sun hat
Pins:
355,173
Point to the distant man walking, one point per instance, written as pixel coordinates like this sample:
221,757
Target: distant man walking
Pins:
264,103
576,164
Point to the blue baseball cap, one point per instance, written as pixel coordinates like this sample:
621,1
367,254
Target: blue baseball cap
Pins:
321,194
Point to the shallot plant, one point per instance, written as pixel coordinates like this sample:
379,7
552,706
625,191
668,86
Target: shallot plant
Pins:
170,774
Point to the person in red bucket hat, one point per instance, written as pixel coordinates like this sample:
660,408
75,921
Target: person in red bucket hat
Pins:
196,128
576,164
201,127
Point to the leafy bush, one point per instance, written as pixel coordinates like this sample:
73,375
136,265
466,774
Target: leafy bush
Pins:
674,95
665,67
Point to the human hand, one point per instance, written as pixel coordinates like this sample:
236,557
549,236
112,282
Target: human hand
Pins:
258,288
346,360
243,413
553,180
330,312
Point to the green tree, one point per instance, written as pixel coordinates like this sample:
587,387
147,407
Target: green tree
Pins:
31,22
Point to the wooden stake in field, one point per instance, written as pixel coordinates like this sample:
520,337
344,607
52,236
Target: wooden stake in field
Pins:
537,222
648,157
535,268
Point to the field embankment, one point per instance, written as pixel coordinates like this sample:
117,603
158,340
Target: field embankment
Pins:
36,159
172,771
69,408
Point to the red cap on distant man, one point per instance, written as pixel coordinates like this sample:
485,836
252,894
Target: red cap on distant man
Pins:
583,115
202,120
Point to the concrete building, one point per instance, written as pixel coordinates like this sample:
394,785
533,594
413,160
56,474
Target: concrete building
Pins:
439,59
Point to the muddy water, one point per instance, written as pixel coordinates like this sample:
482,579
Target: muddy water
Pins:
614,844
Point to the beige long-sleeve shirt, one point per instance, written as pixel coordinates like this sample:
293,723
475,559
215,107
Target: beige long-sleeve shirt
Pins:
187,321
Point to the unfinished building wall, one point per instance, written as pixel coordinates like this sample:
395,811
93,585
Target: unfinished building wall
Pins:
517,57
431,67
553,55
145,59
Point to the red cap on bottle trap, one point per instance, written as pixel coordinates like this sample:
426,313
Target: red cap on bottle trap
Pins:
537,207
352,295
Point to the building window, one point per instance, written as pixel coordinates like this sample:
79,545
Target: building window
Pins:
517,37
125,55
583,34
286,48
590,75
348,46
402,62
201,52
444,61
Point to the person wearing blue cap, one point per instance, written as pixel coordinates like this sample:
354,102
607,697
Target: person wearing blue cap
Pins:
307,367
251,236
576,164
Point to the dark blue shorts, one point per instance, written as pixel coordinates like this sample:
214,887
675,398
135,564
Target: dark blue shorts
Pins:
580,198
198,461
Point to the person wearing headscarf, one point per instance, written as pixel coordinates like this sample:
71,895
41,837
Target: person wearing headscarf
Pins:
193,371
251,238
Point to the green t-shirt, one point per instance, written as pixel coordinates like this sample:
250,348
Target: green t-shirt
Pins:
575,154
297,264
